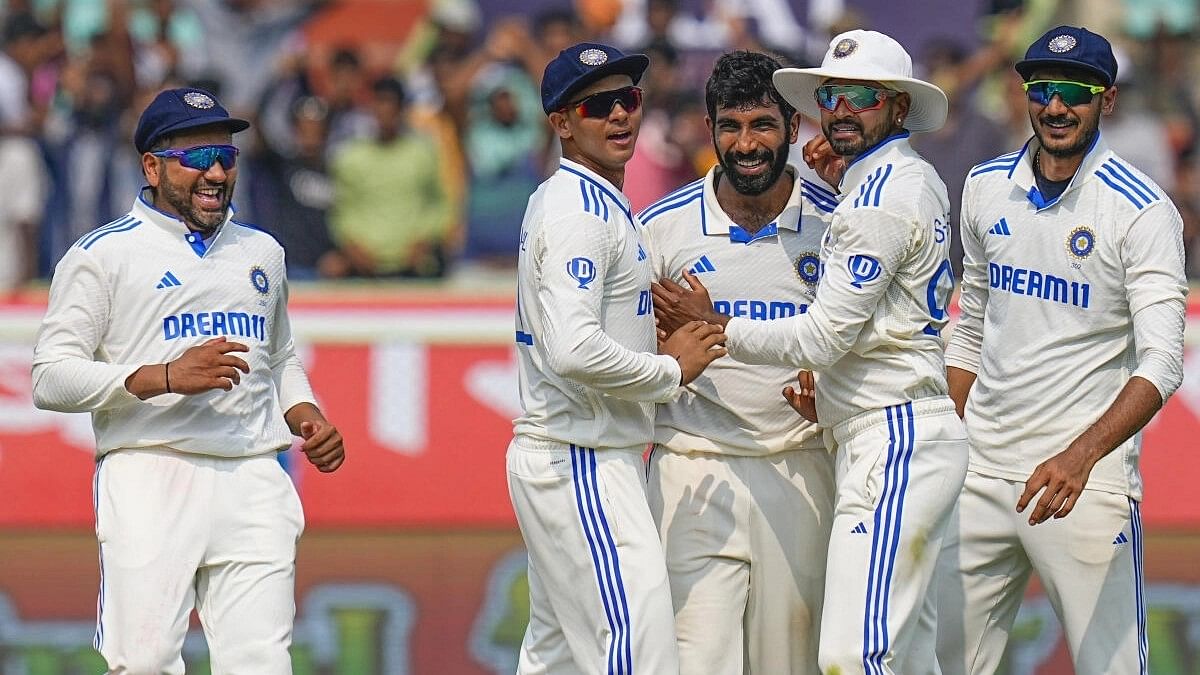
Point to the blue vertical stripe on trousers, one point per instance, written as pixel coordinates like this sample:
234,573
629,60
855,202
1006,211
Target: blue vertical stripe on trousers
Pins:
604,559
98,638
1135,519
885,537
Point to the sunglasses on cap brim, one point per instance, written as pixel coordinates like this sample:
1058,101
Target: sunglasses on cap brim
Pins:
858,97
601,103
1071,93
202,157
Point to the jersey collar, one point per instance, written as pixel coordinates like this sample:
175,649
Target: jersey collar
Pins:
146,211
715,222
612,191
890,149
1023,176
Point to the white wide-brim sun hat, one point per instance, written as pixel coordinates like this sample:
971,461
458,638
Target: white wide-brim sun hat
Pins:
872,57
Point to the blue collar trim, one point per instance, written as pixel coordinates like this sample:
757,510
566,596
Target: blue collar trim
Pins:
619,203
880,144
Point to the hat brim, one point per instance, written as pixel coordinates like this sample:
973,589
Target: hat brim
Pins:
1025,68
633,65
926,112
235,125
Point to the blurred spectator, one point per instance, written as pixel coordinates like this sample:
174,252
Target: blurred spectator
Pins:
18,58
22,197
555,30
292,193
660,163
966,139
390,215
348,118
1134,132
504,139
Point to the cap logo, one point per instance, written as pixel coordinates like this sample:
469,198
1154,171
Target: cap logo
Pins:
1062,43
198,100
593,57
845,47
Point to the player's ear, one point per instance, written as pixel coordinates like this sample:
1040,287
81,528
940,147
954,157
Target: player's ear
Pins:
794,131
560,124
150,168
1108,100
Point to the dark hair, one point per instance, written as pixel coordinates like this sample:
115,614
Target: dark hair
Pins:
389,86
549,17
743,78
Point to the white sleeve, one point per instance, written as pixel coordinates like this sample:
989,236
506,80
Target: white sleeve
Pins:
966,340
291,382
575,344
1152,253
859,269
67,377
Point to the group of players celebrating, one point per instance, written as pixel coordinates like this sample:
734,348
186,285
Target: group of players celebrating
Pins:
884,514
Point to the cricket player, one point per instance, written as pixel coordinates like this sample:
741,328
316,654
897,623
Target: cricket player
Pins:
170,326
1071,339
874,335
741,487
589,378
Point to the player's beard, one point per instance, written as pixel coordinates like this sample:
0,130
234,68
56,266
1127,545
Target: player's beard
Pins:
755,185
868,138
180,200
1088,129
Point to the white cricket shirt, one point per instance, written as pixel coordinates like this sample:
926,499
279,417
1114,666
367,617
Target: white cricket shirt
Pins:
874,330
586,348
142,290
735,408
1052,292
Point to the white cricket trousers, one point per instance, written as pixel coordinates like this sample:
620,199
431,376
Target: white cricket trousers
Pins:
179,531
746,540
599,602
899,472
1090,564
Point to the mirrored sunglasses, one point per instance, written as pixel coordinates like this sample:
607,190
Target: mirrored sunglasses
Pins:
202,157
858,97
1071,93
600,104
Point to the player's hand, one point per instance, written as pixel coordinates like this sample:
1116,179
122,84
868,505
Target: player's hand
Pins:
675,305
695,345
322,444
804,399
209,366
819,156
1060,479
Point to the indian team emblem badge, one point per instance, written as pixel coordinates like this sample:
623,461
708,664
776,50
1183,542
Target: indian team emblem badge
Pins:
198,100
593,57
845,47
808,267
1061,44
583,271
1081,242
258,279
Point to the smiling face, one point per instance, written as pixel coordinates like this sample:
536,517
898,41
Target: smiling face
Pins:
603,144
752,144
852,133
1065,130
199,198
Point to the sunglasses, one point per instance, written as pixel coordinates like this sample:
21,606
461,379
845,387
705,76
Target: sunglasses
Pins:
600,104
858,97
202,157
1071,93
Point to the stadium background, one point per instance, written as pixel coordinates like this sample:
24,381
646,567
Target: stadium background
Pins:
411,562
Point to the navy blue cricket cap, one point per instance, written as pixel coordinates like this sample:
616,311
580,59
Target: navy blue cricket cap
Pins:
1071,47
175,110
576,67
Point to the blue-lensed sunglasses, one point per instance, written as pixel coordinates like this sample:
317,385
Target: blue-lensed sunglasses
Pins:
202,157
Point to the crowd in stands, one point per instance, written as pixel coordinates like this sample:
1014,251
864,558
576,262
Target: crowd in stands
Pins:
419,165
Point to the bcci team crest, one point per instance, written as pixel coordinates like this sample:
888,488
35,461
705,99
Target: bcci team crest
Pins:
808,268
258,279
845,47
1060,44
593,57
198,100
1081,242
